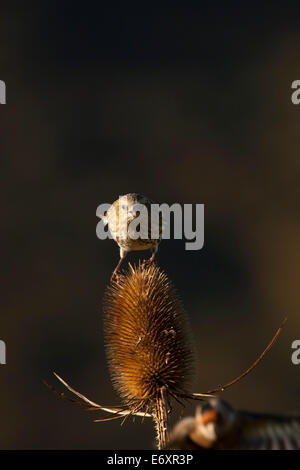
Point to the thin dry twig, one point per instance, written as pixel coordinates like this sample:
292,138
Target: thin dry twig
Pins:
94,406
198,396
67,398
250,369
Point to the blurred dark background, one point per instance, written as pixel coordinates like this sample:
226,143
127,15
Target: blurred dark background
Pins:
189,105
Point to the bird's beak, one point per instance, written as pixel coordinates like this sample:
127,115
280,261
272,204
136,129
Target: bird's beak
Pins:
134,213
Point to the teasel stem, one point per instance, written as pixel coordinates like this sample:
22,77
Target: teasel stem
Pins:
160,417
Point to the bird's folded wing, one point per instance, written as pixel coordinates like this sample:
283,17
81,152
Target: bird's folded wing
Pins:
260,431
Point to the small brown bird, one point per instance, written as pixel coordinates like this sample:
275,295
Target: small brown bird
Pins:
131,236
218,426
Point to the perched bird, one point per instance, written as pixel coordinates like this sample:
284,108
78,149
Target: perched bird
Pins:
132,225
218,426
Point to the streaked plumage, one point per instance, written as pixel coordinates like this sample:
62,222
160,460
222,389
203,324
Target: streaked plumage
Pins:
119,216
218,426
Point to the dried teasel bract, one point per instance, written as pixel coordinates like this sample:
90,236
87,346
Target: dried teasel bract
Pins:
147,340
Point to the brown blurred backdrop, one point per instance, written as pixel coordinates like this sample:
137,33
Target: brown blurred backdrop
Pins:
184,105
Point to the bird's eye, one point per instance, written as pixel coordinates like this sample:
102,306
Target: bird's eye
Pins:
123,207
105,214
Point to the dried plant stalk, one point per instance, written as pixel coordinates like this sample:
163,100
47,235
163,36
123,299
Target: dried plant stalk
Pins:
160,414
147,342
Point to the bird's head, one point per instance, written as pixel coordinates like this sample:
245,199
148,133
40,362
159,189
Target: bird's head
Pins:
127,205
214,418
124,210
131,204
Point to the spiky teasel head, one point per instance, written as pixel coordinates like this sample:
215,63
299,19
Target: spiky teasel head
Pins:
147,339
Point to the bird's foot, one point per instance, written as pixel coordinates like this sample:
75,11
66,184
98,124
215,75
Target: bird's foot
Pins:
115,276
148,262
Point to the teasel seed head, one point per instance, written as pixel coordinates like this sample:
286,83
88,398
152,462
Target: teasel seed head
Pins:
147,339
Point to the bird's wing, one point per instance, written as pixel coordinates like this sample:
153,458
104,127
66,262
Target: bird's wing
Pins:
264,431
